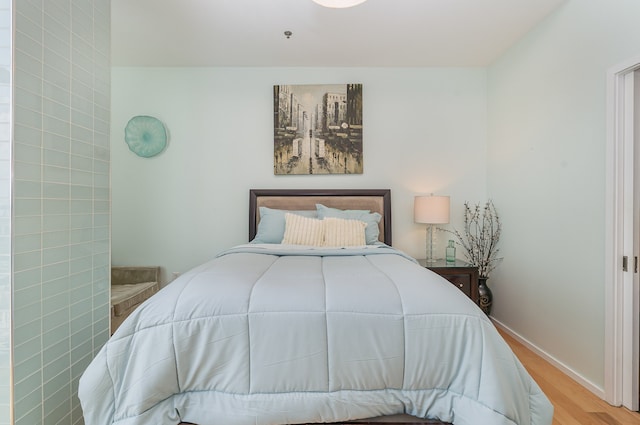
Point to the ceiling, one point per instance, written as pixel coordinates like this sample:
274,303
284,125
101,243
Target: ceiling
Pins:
377,33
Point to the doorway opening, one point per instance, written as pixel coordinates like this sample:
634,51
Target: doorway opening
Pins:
622,240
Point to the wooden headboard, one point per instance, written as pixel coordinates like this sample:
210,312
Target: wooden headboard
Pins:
374,200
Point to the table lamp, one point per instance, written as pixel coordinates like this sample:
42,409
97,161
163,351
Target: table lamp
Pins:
431,210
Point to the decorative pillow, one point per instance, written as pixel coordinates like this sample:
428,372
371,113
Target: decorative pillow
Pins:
372,230
301,230
340,232
272,223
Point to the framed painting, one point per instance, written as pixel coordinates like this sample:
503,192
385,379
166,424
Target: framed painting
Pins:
317,129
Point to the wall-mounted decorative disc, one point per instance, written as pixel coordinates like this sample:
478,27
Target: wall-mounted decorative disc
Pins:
146,136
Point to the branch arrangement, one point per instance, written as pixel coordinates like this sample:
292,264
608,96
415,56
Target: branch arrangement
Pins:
479,239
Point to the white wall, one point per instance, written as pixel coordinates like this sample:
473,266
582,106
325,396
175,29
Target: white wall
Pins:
546,170
425,131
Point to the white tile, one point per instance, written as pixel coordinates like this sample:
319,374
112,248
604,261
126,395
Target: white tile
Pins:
56,93
62,46
57,61
82,178
31,10
56,142
28,79
102,140
55,287
27,153
26,225
83,29
81,221
27,99
56,20
54,109
27,189
81,207
78,265
56,76
27,26
54,368
56,206
80,143
55,191
55,255
26,171
81,192
101,113
81,118
102,194
27,117
56,126
56,174
81,308
81,235
51,223
101,180
27,243
27,47
54,271
82,134
27,279
83,7
82,62
80,103
27,207
56,238
82,74
26,260
56,158
81,163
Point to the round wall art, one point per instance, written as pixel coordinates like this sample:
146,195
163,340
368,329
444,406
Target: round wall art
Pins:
146,136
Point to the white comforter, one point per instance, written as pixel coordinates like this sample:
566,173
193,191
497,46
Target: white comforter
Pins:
257,337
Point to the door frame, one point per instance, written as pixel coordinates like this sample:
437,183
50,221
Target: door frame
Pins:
622,327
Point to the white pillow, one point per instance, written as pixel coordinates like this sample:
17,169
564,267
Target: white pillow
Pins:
299,230
340,232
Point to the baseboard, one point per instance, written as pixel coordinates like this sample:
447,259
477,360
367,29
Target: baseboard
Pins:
599,392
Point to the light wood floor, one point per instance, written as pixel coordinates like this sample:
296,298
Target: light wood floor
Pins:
574,405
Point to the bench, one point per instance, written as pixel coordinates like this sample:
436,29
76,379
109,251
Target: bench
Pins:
130,287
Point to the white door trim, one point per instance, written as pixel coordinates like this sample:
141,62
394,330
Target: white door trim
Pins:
619,309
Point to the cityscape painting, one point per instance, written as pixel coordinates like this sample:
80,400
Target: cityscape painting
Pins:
317,129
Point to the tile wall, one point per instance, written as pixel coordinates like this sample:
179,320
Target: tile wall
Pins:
61,202
5,211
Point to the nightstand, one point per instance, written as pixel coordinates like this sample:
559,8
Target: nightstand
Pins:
461,274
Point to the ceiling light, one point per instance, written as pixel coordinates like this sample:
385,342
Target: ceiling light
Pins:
339,3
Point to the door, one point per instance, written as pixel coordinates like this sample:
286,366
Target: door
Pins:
631,191
635,349
622,237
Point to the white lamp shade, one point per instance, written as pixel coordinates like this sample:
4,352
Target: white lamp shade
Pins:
431,209
339,3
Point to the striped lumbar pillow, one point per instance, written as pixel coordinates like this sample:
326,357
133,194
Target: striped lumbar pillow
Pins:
340,232
301,230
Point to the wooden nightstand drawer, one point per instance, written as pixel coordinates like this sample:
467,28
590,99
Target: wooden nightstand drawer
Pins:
459,273
462,281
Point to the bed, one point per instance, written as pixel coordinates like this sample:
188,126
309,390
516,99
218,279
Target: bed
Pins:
280,332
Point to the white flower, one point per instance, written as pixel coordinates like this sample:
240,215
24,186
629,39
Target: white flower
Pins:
479,239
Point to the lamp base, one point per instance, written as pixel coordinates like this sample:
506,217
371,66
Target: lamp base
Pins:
430,259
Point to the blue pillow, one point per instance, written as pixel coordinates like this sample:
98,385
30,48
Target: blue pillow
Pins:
372,231
272,224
